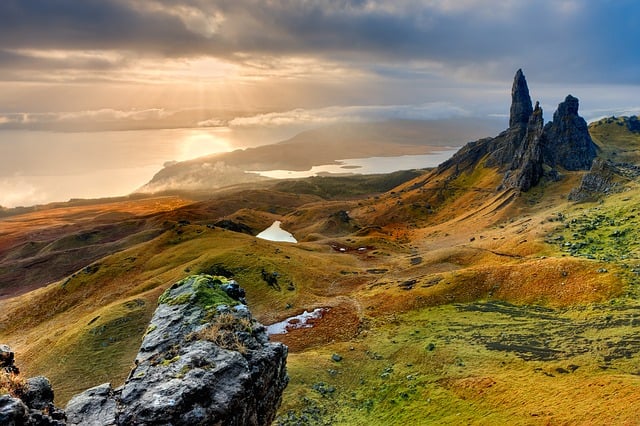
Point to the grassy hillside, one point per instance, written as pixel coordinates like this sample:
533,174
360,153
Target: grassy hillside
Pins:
444,301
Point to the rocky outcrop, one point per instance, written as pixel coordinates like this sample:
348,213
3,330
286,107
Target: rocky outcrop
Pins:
203,361
25,402
500,150
568,143
602,179
521,109
528,151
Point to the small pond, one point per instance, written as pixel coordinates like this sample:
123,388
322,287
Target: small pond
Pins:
304,320
275,233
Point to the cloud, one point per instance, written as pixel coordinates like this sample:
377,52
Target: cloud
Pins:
337,114
558,39
102,119
17,191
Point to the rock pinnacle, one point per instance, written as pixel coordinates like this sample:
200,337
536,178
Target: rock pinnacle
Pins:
521,108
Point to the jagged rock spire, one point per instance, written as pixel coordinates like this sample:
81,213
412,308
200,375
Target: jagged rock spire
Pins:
521,108
526,169
569,144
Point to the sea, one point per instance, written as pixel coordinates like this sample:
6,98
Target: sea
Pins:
38,167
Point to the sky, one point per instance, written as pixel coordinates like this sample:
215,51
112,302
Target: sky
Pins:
69,66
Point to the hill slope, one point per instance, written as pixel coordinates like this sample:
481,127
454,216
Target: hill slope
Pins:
448,299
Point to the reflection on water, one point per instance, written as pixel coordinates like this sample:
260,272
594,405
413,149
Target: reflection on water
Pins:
44,166
275,233
304,320
367,166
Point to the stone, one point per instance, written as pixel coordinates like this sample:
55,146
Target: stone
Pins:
601,179
234,291
521,108
7,360
95,406
13,412
184,377
526,169
567,140
35,403
38,393
500,150
528,150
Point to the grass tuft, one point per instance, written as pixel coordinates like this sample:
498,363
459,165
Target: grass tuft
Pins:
12,384
223,330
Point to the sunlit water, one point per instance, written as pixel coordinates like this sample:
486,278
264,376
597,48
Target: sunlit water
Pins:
295,322
41,167
366,166
38,167
276,233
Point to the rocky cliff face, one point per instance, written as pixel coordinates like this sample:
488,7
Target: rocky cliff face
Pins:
527,148
203,361
568,143
521,109
526,168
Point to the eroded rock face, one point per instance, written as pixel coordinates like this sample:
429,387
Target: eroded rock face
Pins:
500,150
600,180
568,143
521,108
203,361
526,169
528,151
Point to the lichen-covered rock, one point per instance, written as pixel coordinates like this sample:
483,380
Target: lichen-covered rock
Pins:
95,406
203,361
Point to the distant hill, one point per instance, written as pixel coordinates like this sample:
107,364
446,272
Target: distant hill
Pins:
318,147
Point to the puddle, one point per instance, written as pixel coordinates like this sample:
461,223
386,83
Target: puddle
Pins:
275,233
304,320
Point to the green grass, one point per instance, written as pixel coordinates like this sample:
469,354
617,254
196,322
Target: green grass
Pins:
607,231
93,350
615,141
479,363
206,292
344,187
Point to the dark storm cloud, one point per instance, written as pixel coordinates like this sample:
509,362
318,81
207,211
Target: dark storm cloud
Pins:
585,41
89,24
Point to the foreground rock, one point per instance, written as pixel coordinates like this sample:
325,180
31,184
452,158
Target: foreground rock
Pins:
25,402
203,361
